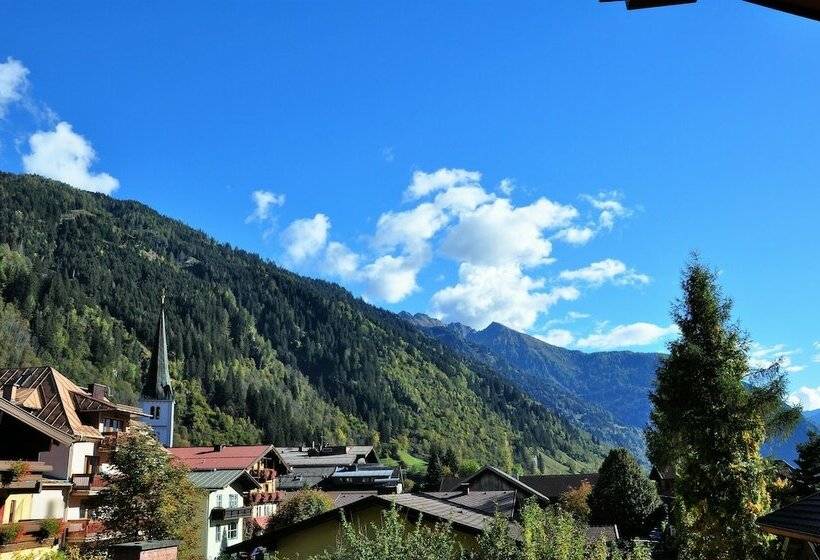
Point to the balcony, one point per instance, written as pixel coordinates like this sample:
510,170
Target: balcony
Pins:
30,534
219,514
78,531
87,483
264,475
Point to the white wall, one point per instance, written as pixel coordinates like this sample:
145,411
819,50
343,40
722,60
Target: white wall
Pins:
49,503
164,425
217,535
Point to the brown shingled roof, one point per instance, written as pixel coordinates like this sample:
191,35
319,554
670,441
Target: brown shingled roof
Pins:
800,520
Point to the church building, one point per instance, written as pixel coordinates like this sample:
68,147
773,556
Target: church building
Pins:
157,398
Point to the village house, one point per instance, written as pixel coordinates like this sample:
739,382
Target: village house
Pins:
799,526
546,488
47,420
261,500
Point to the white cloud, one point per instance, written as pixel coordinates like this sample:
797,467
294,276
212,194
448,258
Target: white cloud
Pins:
506,186
762,357
66,156
442,179
557,337
635,334
390,278
809,397
305,238
341,261
576,235
13,83
410,229
264,200
609,206
498,234
504,294
607,270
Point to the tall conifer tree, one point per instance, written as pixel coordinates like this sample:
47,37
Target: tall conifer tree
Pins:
709,420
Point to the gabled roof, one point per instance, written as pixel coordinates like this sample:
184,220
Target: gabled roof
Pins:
216,480
511,480
220,457
800,520
30,420
553,485
48,395
489,503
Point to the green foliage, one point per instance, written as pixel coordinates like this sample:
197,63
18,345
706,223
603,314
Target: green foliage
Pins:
19,470
148,496
576,500
50,528
305,504
709,420
258,353
468,467
9,532
807,477
496,543
393,539
623,495
435,470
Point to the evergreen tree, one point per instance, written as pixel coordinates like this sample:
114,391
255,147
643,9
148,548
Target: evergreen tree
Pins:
708,421
434,470
807,477
623,495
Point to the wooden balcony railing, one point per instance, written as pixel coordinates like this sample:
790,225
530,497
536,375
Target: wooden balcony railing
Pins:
87,482
231,514
31,535
83,530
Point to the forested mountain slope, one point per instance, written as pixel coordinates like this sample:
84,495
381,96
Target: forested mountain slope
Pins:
604,392
259,353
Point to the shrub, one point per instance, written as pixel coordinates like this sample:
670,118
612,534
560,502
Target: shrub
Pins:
10,532
19,470
50,528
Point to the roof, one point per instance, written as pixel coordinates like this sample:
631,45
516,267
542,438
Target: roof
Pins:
511,480
47,395
216,480
662,473
158,381
28,419
365,473
490,502
553,485
800,520
416,505
328,456
221,458
609,532
146,545
302,477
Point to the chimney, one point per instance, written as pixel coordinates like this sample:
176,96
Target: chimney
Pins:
464,487
98,391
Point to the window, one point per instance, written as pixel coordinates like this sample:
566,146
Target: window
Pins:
219,500
217,536
232,530
12,507
233,501
156,412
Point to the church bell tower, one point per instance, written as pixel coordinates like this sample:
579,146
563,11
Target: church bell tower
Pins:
157,398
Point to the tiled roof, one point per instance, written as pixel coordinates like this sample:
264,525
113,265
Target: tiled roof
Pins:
553,485
302,477
440,509
799,520
226,457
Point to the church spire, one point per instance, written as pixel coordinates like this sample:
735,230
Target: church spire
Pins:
158,383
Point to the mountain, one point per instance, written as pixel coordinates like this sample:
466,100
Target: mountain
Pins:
258,353
606,393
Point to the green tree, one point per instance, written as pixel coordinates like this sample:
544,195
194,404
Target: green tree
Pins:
393,539
807,477
305,504
434,470
576,500
623,495
148,496
496,543
709,418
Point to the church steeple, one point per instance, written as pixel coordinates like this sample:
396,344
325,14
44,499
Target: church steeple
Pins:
158,382
157,399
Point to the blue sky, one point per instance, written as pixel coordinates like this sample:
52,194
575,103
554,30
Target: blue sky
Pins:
546,165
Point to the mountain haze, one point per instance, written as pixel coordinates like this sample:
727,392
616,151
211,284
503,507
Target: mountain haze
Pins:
258,353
